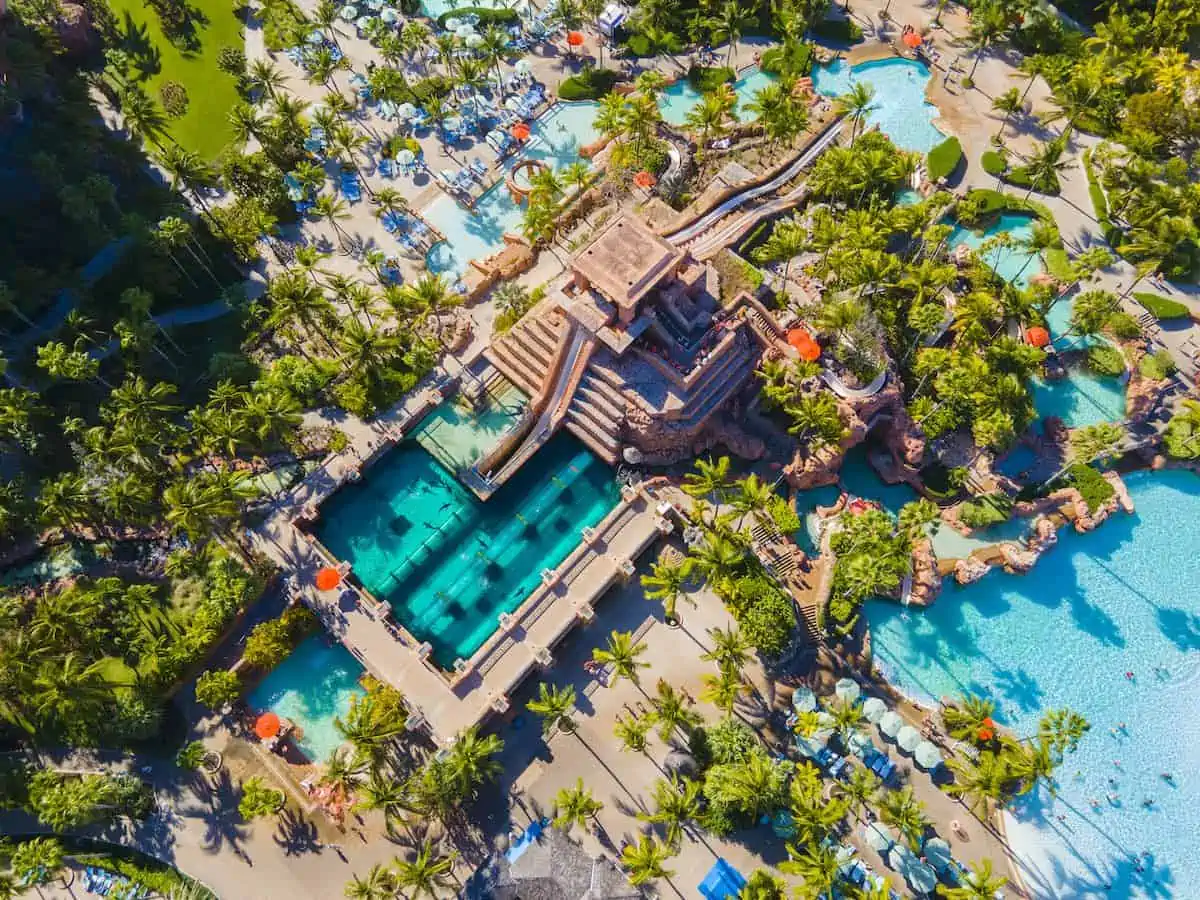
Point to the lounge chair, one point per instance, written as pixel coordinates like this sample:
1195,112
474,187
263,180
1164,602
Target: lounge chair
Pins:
387,168
351,188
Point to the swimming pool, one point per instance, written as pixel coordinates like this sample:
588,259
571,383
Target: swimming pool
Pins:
900,108
1014,265
457,434
1082,397
312,687
677,100
556,137
449,564
1118,599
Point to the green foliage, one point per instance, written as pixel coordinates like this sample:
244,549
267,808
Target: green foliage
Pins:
67,801
1058,264
488,15
174,98
218,688
1093,486
872,559
993,162
269,642
300,378
944,159
1182,437
1157,366
990,509
1105,359
792,59
730,741
764,613
646,43
736,275
590,84
707,79
430,87
259,800
783,515
1162,308
837,31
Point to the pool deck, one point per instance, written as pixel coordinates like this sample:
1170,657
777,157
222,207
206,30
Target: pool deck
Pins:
448,702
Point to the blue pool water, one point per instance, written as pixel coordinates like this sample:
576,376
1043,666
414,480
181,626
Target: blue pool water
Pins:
449,564
1013,265
1082,398
678,99
312,687
900,108
859,478
1122,598
472,234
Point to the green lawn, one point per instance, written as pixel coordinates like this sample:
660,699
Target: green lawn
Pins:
211,93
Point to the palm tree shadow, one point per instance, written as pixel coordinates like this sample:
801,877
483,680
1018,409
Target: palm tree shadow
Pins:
295,835
224,828
135,40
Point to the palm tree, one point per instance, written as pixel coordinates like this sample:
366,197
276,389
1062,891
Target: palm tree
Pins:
631,732
710,479
575,806
1010,103
622,654
728,25
965,719
847,717
142,115
676,804
386,794
672,712
667,582
981,883
424,875
265,78
730,648
723,690
817,865
856,103
37,861
1063,729
787,241
379,884
645,860
987,24
858,790
904,812
554,705
709,117
610,115
473,759
333,210
1044,165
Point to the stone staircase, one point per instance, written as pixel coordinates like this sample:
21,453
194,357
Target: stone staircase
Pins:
595,416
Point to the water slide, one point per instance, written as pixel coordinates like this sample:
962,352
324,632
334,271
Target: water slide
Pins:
705,222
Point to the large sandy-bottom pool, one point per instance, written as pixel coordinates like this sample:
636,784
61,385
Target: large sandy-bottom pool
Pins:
1123,598
900,108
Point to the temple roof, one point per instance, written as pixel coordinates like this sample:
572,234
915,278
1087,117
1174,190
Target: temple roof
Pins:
626,261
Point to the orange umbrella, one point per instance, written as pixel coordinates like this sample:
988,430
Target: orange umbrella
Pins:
520,131
328,578
267,726
575,38
912,39
808,348
1037,335
644,180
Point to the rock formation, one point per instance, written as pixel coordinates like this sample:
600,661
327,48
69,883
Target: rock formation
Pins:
926,583
970,570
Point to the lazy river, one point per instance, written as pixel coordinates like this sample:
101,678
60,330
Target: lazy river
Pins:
1121,599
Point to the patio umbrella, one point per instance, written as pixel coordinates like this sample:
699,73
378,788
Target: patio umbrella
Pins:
900,857
452,23
363,23
348,13
316,36
927,755
267,726
859,743
912,39
847,690
937,853
387,109
522,67
389,17
890,722
405,111
1037,336
474,39
920,877
375,5
575,38
453,123
328,578
464,31
907,738
873,709
804,700
405,157
879,837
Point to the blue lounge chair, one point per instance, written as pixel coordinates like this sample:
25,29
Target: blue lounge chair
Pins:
387,168
350,187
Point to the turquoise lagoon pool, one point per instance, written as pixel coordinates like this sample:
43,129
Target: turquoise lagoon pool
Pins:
312,687
900,108
471,234
449,564
1012,264
1082,397
678,99
1122,598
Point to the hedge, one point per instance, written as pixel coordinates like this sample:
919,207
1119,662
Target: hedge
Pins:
944,159
1105,359
1019,177
1161,307
488,15
709,78
993,162
840,31
590,84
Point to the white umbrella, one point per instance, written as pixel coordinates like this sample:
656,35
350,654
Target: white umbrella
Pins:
405,111
859,743
389,17
900,857
803,700
873,709
348,13
847,690
464,31
927,755
920,877
453,123
937,853
907,738
890,722
406,157
522,67
474,39
375,5
452,23
879,837
316,36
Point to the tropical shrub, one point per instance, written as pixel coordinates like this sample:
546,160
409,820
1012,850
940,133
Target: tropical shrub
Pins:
993,162
174,98
872,559
981,512
707,79
269,642
1162,308
729,741
590,84
218,688
488,15
944,159
792,59
837,31
765,614
259,800
1157,366
1105,359
1182,437
65,801
1092,486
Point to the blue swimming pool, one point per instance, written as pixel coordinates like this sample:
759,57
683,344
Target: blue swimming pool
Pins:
312,687
1083,397
678,99
472,234
1012,264
449,564
1122,598
900,108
